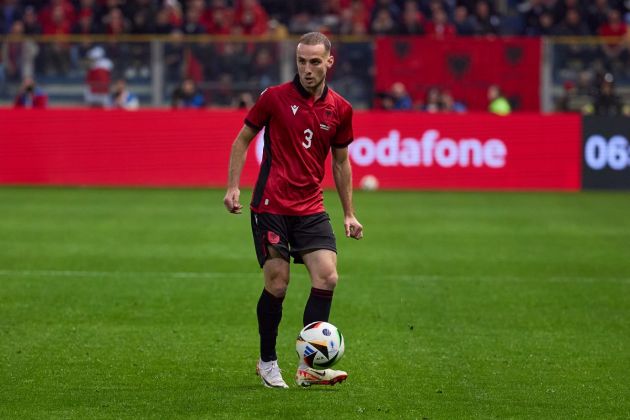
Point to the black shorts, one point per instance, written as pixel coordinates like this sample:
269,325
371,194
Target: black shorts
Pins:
290,235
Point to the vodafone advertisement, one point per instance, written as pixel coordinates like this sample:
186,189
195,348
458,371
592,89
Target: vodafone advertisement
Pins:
191,148
476,151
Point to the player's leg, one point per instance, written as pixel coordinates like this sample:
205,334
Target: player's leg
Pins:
272,253
269,308
314,241
322,267
269,311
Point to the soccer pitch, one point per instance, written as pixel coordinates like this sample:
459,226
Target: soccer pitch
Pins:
135,303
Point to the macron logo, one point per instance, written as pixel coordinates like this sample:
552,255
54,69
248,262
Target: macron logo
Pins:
294,108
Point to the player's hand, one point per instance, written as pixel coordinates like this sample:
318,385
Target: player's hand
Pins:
354,229
231,201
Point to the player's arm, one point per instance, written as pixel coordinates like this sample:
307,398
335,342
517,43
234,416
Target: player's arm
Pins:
342,173
237,161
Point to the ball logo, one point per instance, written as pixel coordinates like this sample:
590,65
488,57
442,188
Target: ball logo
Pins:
326,332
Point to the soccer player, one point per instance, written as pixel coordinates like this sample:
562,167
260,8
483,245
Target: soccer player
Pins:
303,120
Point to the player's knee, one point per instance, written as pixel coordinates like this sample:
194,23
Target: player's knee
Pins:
277,285
329,280
278,290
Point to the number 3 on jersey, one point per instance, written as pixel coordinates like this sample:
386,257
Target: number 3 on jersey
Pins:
308,135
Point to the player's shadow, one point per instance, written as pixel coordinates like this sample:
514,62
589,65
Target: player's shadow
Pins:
259,387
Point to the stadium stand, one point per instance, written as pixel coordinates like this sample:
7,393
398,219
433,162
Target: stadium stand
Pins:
155,44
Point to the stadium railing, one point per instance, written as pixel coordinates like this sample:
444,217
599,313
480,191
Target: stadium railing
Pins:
230,70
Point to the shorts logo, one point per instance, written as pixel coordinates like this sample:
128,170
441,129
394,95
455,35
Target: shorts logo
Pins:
273,238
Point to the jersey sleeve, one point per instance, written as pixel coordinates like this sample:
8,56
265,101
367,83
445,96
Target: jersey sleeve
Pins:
260,113
344,135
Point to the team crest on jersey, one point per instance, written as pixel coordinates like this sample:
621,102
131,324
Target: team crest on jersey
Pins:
294,108
273,238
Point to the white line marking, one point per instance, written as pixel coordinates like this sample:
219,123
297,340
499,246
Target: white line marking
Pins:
116,274
258,274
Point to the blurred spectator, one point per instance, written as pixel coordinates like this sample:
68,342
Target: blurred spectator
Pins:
543,27
563,6
412,20
565,102
383,23
30,96
86,23
330,16
174,13
607,102
115,22
389,7
220,22
163,23
192,24
174,56
57,18
497,103
615,51
251,17
401,100
483,22
10,12
449,104
359,17
532,12
395,99
265,68
12,55
98,79
142,14
31,21
187,96
432,103
463,22
597,14
572,25
122,98
448,6
439,27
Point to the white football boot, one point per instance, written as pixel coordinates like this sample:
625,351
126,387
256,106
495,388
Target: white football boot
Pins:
270,374
307,376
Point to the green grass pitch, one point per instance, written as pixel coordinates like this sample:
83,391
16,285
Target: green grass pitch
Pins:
137,303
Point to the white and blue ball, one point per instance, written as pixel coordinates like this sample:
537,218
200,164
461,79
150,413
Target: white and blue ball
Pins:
320,345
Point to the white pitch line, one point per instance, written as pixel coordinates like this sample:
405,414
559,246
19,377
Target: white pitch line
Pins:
117,274
258,274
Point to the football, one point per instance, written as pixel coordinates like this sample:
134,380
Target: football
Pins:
320,345
369,183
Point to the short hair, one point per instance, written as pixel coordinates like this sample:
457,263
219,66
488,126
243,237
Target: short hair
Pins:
315,38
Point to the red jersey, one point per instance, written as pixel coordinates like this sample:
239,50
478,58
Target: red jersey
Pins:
298,135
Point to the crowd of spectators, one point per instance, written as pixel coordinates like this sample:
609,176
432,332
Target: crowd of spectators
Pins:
440,18
219,67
